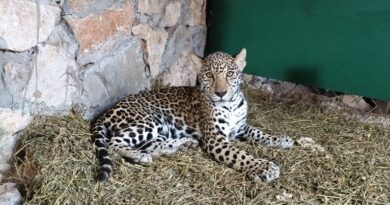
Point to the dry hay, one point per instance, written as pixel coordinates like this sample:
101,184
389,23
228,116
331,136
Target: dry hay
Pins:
55,164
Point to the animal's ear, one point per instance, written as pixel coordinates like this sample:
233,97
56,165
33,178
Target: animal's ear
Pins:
240,59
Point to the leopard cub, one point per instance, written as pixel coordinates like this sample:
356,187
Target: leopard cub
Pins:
143,126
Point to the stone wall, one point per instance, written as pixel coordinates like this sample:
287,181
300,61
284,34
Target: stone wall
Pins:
56,55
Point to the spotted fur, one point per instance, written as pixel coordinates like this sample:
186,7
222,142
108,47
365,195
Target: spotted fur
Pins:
149,124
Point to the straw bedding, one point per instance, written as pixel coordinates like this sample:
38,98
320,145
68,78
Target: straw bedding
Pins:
54,163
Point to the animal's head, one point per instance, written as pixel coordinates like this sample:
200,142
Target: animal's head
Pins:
220,76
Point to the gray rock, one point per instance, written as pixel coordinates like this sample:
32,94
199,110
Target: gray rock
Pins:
9,195
155,40
62,37
19,57
177,76
4,166
5,95
19,27
83,8
51,87
15,71
3,43
14,79
171,14
151,7
48,87
11,122
16,76
193,12
177,43
159,13
51,2
113,78
198,39
100,33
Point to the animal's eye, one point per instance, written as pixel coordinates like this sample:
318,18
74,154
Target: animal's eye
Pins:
230,74
209,75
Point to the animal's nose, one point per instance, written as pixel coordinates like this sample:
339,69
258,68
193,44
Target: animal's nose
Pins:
220,94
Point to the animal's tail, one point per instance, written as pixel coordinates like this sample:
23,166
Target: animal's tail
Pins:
99,132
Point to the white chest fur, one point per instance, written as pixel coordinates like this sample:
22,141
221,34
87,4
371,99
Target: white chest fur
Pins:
237,118
230,116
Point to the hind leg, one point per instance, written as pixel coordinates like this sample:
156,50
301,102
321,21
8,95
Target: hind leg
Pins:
170,146
129,152
145,152
135,156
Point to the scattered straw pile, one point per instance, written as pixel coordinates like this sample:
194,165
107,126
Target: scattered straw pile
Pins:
55,164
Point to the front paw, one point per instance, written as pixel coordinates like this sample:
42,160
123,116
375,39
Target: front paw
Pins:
286,142
265,171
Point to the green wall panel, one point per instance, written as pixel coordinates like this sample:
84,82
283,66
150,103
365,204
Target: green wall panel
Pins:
342,45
